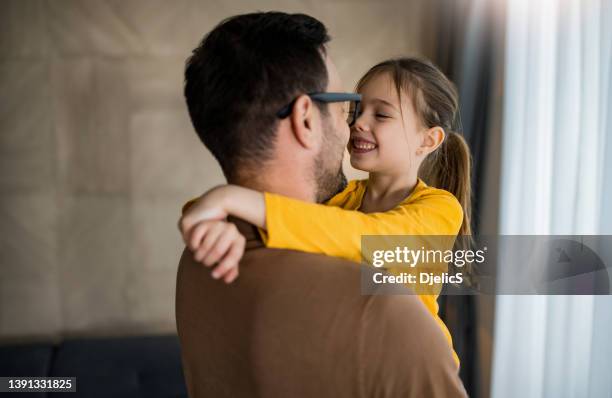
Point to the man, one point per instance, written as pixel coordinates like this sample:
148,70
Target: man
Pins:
294,324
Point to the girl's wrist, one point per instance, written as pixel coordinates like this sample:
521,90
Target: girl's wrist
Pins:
226,197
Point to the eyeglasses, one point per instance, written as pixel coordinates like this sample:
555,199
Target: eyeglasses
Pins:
353,100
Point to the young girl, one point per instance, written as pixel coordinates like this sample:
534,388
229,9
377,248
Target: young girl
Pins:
419,179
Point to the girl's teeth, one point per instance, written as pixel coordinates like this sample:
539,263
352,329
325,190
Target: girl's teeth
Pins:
361,145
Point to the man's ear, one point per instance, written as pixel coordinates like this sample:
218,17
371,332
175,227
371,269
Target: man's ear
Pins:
302,121
432,139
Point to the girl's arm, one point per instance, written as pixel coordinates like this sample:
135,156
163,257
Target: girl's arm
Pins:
297,225
316,228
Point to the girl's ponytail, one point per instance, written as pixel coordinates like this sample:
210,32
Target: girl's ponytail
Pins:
449,168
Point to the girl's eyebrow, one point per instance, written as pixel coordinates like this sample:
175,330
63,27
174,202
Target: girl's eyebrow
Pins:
383,102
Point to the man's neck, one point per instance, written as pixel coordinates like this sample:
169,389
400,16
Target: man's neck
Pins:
288,172
280,180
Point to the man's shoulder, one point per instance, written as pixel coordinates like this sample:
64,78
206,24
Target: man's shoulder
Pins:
266,266
297,255
280,263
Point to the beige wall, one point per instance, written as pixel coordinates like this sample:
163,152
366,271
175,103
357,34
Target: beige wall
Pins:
98,154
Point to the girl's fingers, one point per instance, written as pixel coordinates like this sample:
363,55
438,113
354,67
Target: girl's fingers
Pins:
207,207
189,220
197,233
231,275
209,240
184,226
222,244
231,259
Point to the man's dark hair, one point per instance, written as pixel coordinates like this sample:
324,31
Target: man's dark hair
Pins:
243,72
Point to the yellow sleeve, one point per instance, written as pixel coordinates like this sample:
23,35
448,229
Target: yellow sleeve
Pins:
315,228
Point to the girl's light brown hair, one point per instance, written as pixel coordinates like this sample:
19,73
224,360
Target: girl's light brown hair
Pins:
436,103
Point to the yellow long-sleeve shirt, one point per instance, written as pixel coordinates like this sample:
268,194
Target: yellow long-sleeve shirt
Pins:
335,229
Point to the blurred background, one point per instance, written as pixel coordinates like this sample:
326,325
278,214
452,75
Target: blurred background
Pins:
97,155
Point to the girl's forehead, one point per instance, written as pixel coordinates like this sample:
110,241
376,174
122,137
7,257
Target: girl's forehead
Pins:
380,87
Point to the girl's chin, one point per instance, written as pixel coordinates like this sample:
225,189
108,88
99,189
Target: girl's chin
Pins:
360,164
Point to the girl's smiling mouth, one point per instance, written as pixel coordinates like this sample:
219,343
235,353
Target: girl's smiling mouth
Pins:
360,145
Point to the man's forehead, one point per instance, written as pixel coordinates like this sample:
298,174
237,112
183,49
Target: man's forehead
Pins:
334,83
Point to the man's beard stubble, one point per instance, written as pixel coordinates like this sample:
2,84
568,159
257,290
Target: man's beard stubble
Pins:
328,174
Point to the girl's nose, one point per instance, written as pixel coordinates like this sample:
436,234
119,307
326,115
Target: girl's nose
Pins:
360,124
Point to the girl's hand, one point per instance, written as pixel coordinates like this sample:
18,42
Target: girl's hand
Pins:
221,201
218,241
209,206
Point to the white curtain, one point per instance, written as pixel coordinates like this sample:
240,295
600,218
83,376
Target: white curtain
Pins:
556,179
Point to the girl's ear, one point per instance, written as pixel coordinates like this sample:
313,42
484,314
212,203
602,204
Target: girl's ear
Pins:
432,139
302,121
